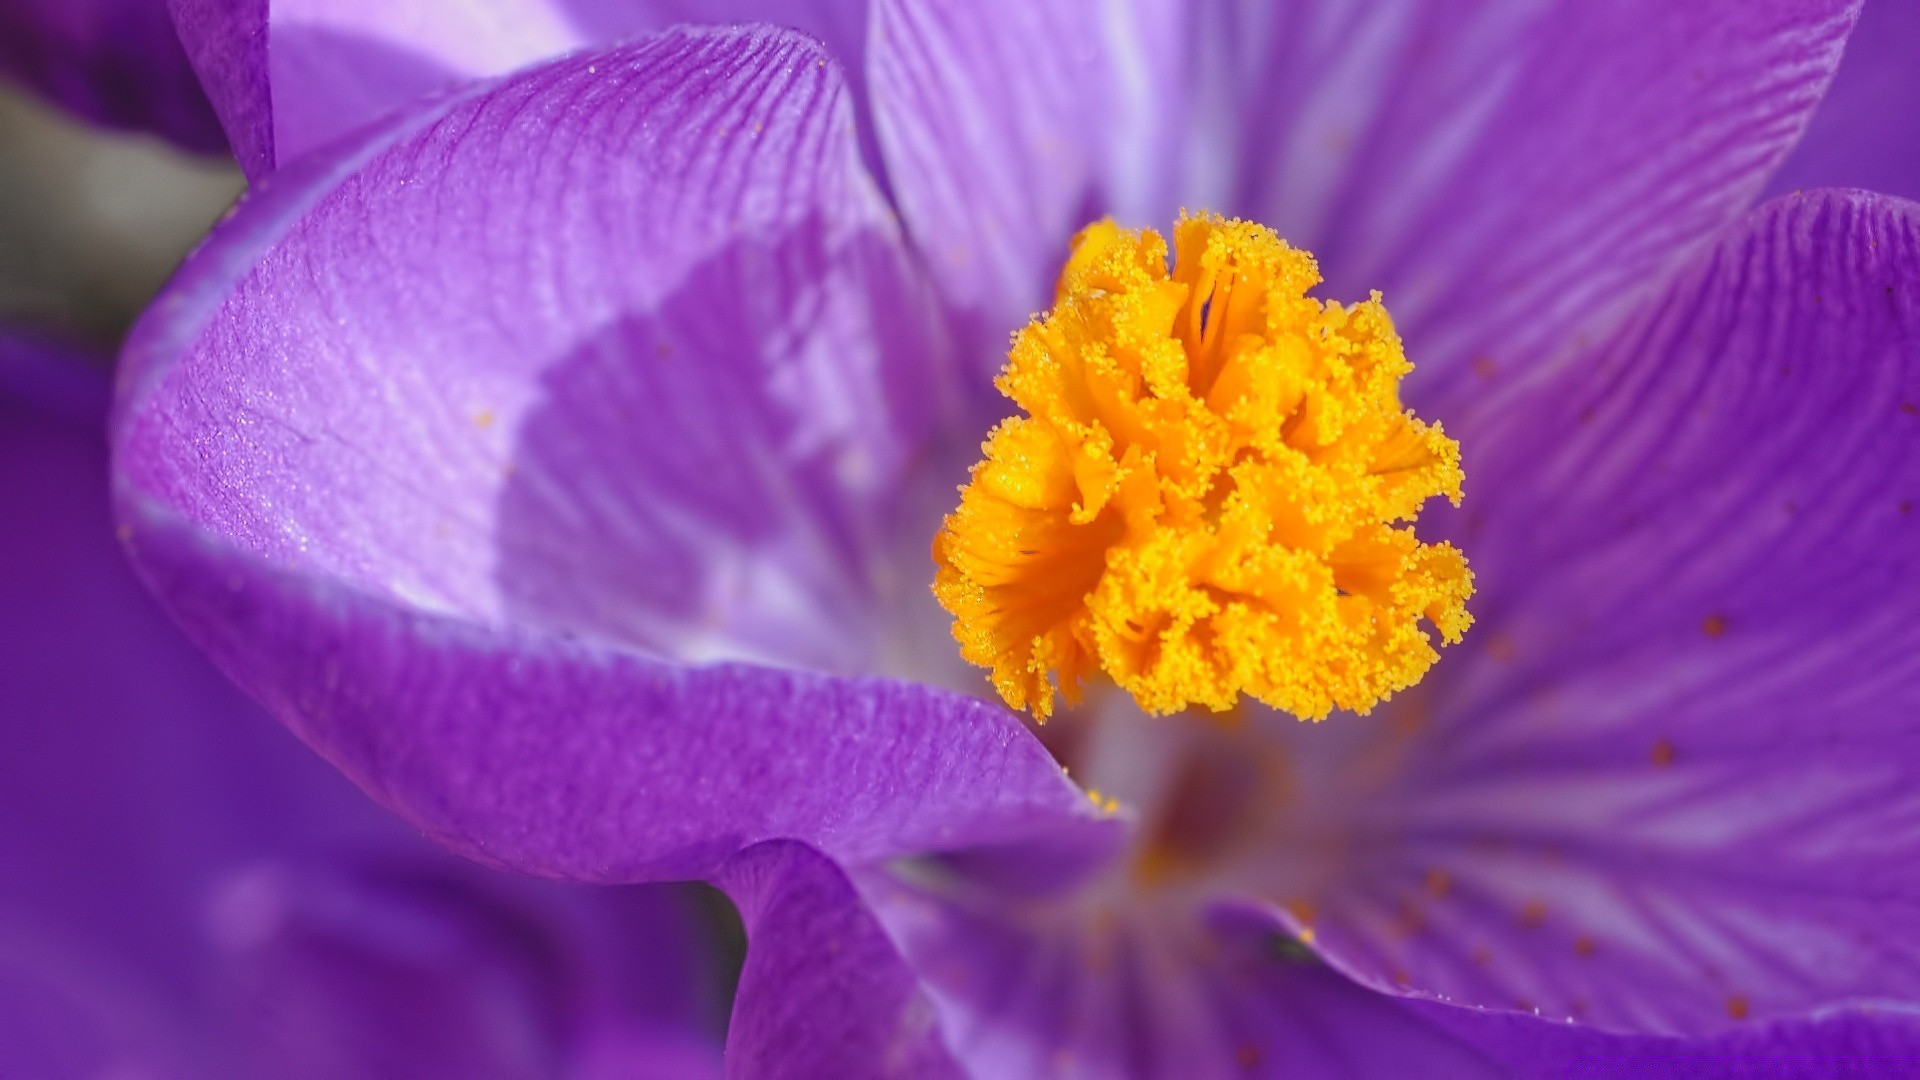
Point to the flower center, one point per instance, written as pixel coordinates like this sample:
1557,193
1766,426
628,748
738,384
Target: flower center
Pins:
1200,498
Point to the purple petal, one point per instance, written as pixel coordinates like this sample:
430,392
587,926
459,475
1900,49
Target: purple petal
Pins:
48,378
116,62
454,448
1113,981
1103,983
1507,173
289,76
1853,1043
457,972
142,791
1006,125
111,717
1867,132
824,992
133,772
61,1022
226,42
1674,787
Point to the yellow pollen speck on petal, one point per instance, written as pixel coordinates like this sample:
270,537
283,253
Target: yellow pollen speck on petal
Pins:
1208,493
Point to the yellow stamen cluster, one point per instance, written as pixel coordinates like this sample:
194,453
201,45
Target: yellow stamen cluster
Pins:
1200,498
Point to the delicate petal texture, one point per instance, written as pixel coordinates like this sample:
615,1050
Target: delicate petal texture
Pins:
1081,986
1106,984
443,448
1006,125
1677,789
289,76
112,719
576,761
116,62
140,934
1867,132
824,992
641,310
226,40
1879,1042
1504,172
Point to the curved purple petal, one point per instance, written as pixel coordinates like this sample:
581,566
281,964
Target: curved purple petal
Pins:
1508,173
109,715
140,932
409,971
1114,981
1867,132
1867,1042
1505,173
1674,788
289,76
226,42
456,449
823,992
128,762
115,62
1006,125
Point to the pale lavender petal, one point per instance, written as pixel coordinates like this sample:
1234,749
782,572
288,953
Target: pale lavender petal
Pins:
1867,132
1006,125
1851,1043
1113,981
115,62
1507,173
1672,786
289,76
1117,981
457,449
824,992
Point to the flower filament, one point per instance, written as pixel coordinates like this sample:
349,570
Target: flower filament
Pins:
1201,497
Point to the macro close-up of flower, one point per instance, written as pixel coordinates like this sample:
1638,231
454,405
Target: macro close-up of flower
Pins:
1057,538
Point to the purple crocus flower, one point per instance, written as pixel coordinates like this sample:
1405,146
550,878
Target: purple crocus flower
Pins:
558,456
189,894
